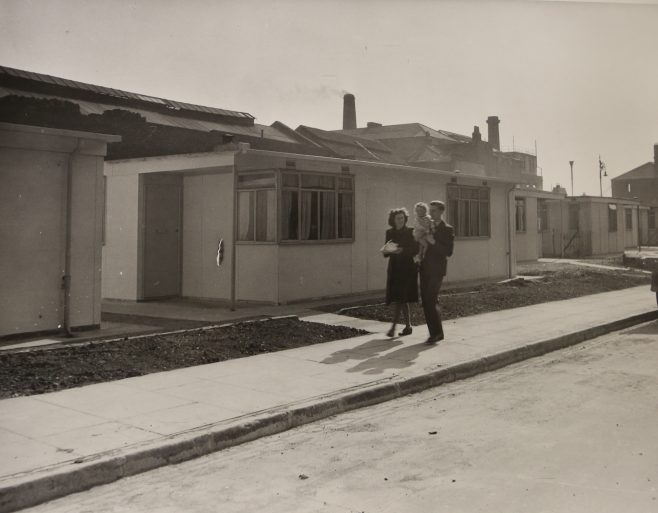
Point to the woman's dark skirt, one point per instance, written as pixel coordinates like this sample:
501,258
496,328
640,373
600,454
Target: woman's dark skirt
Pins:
401,280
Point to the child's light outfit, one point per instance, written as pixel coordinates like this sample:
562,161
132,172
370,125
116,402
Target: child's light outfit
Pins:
423,234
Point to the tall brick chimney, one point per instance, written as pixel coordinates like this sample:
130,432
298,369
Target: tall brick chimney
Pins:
349,112
494,134
655,158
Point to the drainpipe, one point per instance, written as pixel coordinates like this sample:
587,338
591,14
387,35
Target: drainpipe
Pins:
68,227
234,232
510,273
242,149
561,230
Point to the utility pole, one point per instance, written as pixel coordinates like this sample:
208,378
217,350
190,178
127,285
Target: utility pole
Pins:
602,173
571,164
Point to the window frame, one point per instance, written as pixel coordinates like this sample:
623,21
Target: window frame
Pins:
520,202
612,207
254,191
542,215
628,218
299,189
454,222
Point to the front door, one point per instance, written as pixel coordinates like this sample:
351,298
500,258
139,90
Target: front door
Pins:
162,236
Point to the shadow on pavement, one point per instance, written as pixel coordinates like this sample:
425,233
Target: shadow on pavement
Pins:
399,359
365,350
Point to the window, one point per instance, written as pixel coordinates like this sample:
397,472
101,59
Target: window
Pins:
628,217
317,207
257,207
573,216
468,210
520,214
612,217
652,218
542,215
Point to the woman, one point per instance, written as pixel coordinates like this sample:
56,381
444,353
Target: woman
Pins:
401,278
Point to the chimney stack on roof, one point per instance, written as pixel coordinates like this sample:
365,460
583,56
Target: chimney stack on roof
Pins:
372,124
494,134
655,157
477,137
349,112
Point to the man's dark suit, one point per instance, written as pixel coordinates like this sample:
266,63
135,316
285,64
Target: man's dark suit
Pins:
432,270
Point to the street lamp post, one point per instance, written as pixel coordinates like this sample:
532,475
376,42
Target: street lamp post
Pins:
602,173
571,164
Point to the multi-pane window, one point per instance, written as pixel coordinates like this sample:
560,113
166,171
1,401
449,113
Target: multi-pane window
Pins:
628,218
573,216
612,217
652,218
542,215
257,207
469,211
520,214
316,207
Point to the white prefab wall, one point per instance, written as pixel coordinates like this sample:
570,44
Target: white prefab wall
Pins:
33,173
31,252
86,229
207,201
528,242
120,252
377,192
257,267
313,271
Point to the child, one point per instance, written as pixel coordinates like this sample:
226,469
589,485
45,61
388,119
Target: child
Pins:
423,230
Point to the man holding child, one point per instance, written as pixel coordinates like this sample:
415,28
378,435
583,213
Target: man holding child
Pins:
433,268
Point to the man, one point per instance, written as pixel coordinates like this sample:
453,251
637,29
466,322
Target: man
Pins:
433,269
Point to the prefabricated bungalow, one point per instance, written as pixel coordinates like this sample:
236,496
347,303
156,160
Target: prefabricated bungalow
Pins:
641,184
51,228
533,238
304,226
584,226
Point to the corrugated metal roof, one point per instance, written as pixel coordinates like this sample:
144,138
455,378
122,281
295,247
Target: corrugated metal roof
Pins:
342,138
349,146
117,93
88,107
402,131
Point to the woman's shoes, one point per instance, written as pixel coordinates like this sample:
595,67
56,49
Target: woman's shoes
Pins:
406,331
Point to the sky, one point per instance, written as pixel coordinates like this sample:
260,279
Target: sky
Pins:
579,79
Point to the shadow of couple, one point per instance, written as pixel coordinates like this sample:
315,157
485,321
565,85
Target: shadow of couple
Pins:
375,356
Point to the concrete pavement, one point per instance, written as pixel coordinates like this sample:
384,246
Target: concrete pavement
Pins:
58,443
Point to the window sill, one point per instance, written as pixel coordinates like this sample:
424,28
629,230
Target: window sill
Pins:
313,242
255,242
